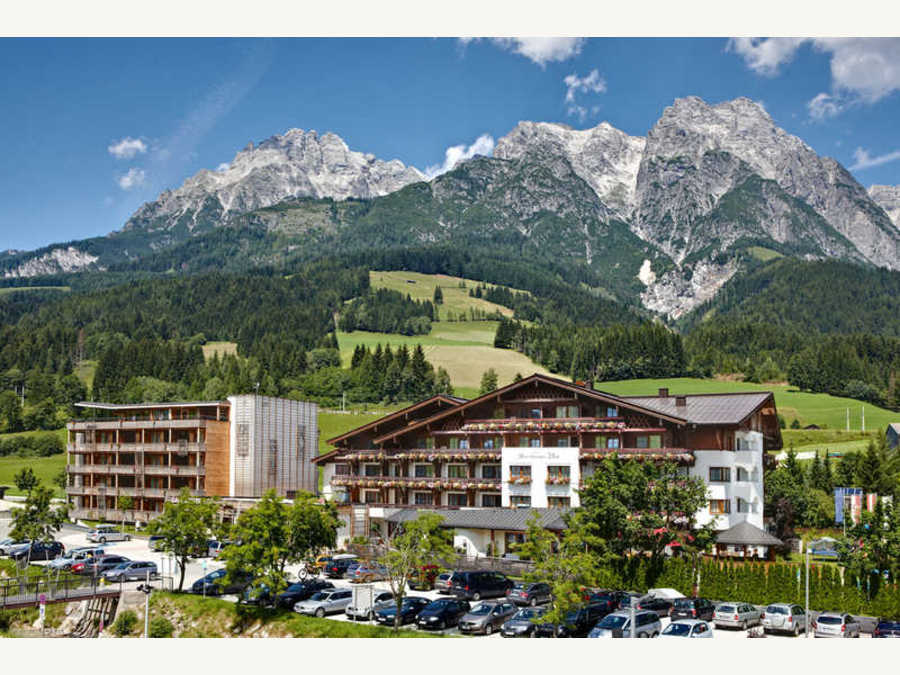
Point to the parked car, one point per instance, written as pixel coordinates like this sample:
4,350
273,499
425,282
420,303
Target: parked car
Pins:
216,547
836,625
480,585
692,608
367,573
442,582
259,594
13,549
8,543
486,617
330,601
156,542
424,578
667,593
887,629
524,593
521,624
409,610
736,615
577,623
104,533
97,566
442,613
618,624
301,590
662,606
626,597
688,628
217,583
338,567
134,570
784,618
39,550
66,561
319,564
363,607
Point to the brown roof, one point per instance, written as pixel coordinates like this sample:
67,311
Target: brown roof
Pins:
731,408
452,400
593,393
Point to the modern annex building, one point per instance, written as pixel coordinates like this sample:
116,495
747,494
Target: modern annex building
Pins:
532,443
149,452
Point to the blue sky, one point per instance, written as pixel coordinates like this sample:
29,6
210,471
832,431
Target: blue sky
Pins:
90,129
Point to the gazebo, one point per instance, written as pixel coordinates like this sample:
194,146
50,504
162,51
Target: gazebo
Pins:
746,541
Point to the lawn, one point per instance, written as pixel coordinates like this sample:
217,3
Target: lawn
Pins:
85,372
44,468
15,289
334,423
421,287
821,409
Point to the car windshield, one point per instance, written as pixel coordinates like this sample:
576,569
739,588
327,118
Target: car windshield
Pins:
684,603
775,609
612,621
321,595
439,604
528,614
726,609
481,610
831,620
677,629
410,602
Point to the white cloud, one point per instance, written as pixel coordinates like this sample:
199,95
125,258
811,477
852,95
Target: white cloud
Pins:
224,166
765,56
483,145
127,148
823,106
541,50
864,160
863,70
592,83
132,179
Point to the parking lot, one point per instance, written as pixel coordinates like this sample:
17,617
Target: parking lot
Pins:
138,549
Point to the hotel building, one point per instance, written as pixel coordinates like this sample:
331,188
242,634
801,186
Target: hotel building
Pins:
149,452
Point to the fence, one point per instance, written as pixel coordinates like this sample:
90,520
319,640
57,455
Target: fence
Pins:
25,591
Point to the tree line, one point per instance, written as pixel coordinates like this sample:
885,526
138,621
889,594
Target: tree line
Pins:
387,311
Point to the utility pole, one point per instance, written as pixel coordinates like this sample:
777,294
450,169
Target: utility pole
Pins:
807,588
864,419
632,618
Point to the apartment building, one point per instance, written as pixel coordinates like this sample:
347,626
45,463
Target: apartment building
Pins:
533,443
237,448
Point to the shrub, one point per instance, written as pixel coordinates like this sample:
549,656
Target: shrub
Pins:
125,624
161,627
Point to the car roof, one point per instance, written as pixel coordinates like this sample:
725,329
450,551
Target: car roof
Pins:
689,622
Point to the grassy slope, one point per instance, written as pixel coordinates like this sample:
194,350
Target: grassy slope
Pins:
85,372
220,348
820,409
16,289
44,468
195,617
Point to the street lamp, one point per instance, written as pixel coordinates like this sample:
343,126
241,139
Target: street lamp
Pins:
807,588
146,588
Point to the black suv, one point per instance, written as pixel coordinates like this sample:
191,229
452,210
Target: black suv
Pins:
479,585
337,568
216,583
578,622
692,608
442,613
302,590
41,550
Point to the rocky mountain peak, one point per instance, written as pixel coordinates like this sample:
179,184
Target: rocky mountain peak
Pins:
888,198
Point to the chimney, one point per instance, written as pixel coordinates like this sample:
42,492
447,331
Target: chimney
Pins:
680,401
664,392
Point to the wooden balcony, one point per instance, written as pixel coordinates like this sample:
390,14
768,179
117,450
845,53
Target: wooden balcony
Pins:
108,424
161,448
417,483
109,491
133,469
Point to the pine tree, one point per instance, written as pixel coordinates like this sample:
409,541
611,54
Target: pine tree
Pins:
488,382
438,296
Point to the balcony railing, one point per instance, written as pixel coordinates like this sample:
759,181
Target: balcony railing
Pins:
679,455
113,514
131,469
544,424
175,447
424,455
116,423
421,483
109,491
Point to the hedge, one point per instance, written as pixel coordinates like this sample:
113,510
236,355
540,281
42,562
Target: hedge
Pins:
764,583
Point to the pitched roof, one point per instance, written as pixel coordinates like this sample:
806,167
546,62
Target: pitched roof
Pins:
896,427
452,400
502,518
672,416
139,406
747,535
732,408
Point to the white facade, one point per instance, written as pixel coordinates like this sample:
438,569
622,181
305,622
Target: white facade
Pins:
743,491
540,459
273,441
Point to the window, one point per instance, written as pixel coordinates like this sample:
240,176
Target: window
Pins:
457,499
523,441
743,476
423,498
719,474
301,440
612,411
743,506
490,501
520,471
429,443
534,442
656,441
567,411
535,413
641,442
719,506
424,471
490,471
454,444
558,502
520,500
372,469
488,444
558,471
513,539
371,496
457,471
464,443
612,442
243,440
562,442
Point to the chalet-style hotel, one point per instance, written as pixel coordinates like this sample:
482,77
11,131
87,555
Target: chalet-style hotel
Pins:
530,444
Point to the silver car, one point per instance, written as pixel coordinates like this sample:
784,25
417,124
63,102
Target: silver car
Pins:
486,617
688,628
330,601
133,570
442,582
836,625
104,533
618,624
736,615
7,544
75,555
784,618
